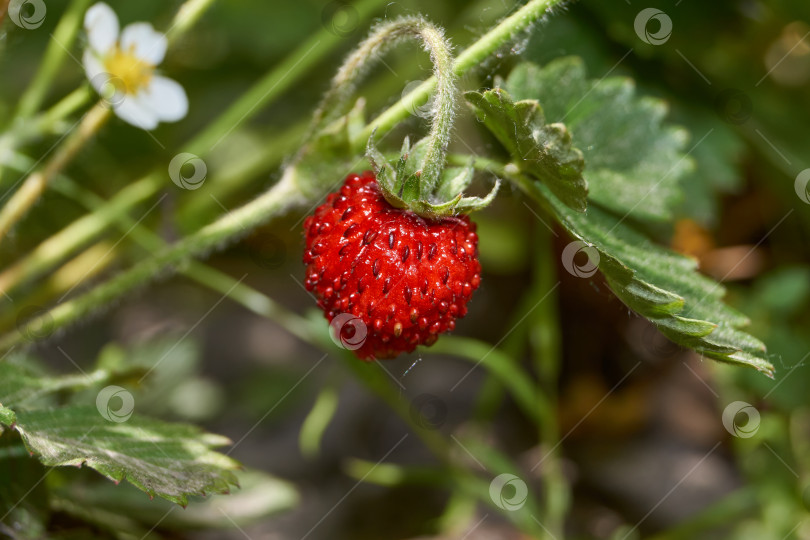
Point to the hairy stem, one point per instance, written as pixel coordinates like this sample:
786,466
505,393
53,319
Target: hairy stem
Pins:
273,202
36,183
383,38
518,22
198,271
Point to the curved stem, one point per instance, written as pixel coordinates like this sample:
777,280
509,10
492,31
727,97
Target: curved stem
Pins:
518,22
443,111
36,183
382,38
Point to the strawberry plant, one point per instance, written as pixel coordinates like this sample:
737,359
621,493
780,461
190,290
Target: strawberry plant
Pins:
491,253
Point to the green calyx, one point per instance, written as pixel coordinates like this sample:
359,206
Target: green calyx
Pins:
404,185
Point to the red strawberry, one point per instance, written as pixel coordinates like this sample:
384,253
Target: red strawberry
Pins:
405,277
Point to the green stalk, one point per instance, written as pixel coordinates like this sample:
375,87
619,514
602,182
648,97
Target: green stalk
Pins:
280,198
502,367
70,239
200,208
186,17
85,266
273,202
65,107
47,121
545,340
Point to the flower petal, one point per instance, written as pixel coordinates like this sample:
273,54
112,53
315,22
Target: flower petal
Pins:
148,44
101,25
166,98
93,67
133,110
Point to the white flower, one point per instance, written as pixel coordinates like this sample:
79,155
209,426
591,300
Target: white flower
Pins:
121,67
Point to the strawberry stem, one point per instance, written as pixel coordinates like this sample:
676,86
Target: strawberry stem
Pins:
382,38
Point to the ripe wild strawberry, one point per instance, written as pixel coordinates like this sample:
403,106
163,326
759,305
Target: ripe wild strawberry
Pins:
392,257
407,278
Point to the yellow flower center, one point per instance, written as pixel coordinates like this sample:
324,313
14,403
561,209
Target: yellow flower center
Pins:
133,72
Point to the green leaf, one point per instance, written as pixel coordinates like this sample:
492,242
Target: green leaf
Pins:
21,382
542,150
634,162
661,285
172,461
7,418
454,181
259,495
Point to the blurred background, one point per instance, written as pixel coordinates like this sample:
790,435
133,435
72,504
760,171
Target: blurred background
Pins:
643,450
